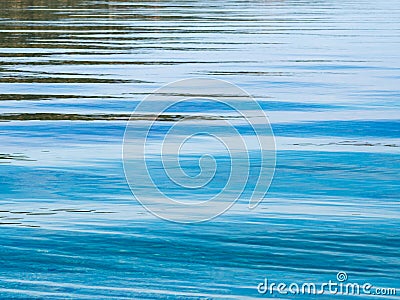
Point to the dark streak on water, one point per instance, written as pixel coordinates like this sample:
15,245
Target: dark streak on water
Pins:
104,117
326,73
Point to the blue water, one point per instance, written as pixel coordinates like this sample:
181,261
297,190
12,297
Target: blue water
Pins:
325,72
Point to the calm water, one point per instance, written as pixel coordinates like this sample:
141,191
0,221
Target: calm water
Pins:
325,72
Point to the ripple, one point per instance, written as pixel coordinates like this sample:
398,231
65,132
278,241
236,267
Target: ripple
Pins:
103,117
8,157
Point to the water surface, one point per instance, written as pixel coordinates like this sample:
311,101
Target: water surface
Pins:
325,72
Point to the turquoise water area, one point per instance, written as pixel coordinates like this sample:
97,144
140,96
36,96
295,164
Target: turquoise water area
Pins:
325,72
